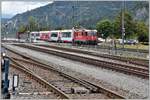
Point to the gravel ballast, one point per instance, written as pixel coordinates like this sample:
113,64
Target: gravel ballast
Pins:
126,82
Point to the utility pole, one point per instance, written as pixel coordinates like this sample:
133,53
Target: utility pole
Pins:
28,25
73,15
75,12
14,26
47,25
6,25
123,28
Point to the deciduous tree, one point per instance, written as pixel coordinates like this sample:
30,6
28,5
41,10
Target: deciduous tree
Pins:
104,28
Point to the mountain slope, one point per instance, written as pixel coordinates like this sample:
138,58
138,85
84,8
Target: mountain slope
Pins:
87,13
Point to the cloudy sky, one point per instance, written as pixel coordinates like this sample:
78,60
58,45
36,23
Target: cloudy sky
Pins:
11,8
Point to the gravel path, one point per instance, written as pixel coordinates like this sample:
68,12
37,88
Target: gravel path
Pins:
129,83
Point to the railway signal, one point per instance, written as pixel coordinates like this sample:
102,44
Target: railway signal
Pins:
15,82
5,80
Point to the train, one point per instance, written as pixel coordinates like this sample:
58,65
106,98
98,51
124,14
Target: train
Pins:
85,36
77,36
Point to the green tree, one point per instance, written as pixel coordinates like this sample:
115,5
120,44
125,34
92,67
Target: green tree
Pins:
129,24
142,31
33,25
22,28
104,28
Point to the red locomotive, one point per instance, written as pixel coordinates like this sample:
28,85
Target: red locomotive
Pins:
84,36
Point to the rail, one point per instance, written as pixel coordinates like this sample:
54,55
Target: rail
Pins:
141,72
107,92
47,85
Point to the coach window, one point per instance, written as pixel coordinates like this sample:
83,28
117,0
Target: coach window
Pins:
37,34
54,35
67,34
32,34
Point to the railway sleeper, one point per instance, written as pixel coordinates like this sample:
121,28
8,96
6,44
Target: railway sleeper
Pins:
88,86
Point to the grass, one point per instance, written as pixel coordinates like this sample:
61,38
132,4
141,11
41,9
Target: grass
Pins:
137,46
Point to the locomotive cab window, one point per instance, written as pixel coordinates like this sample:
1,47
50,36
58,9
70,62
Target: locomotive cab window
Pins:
79,34
92,33
84,33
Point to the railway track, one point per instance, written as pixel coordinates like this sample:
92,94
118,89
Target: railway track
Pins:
140,62
63,82
92,88
54,92
125,68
